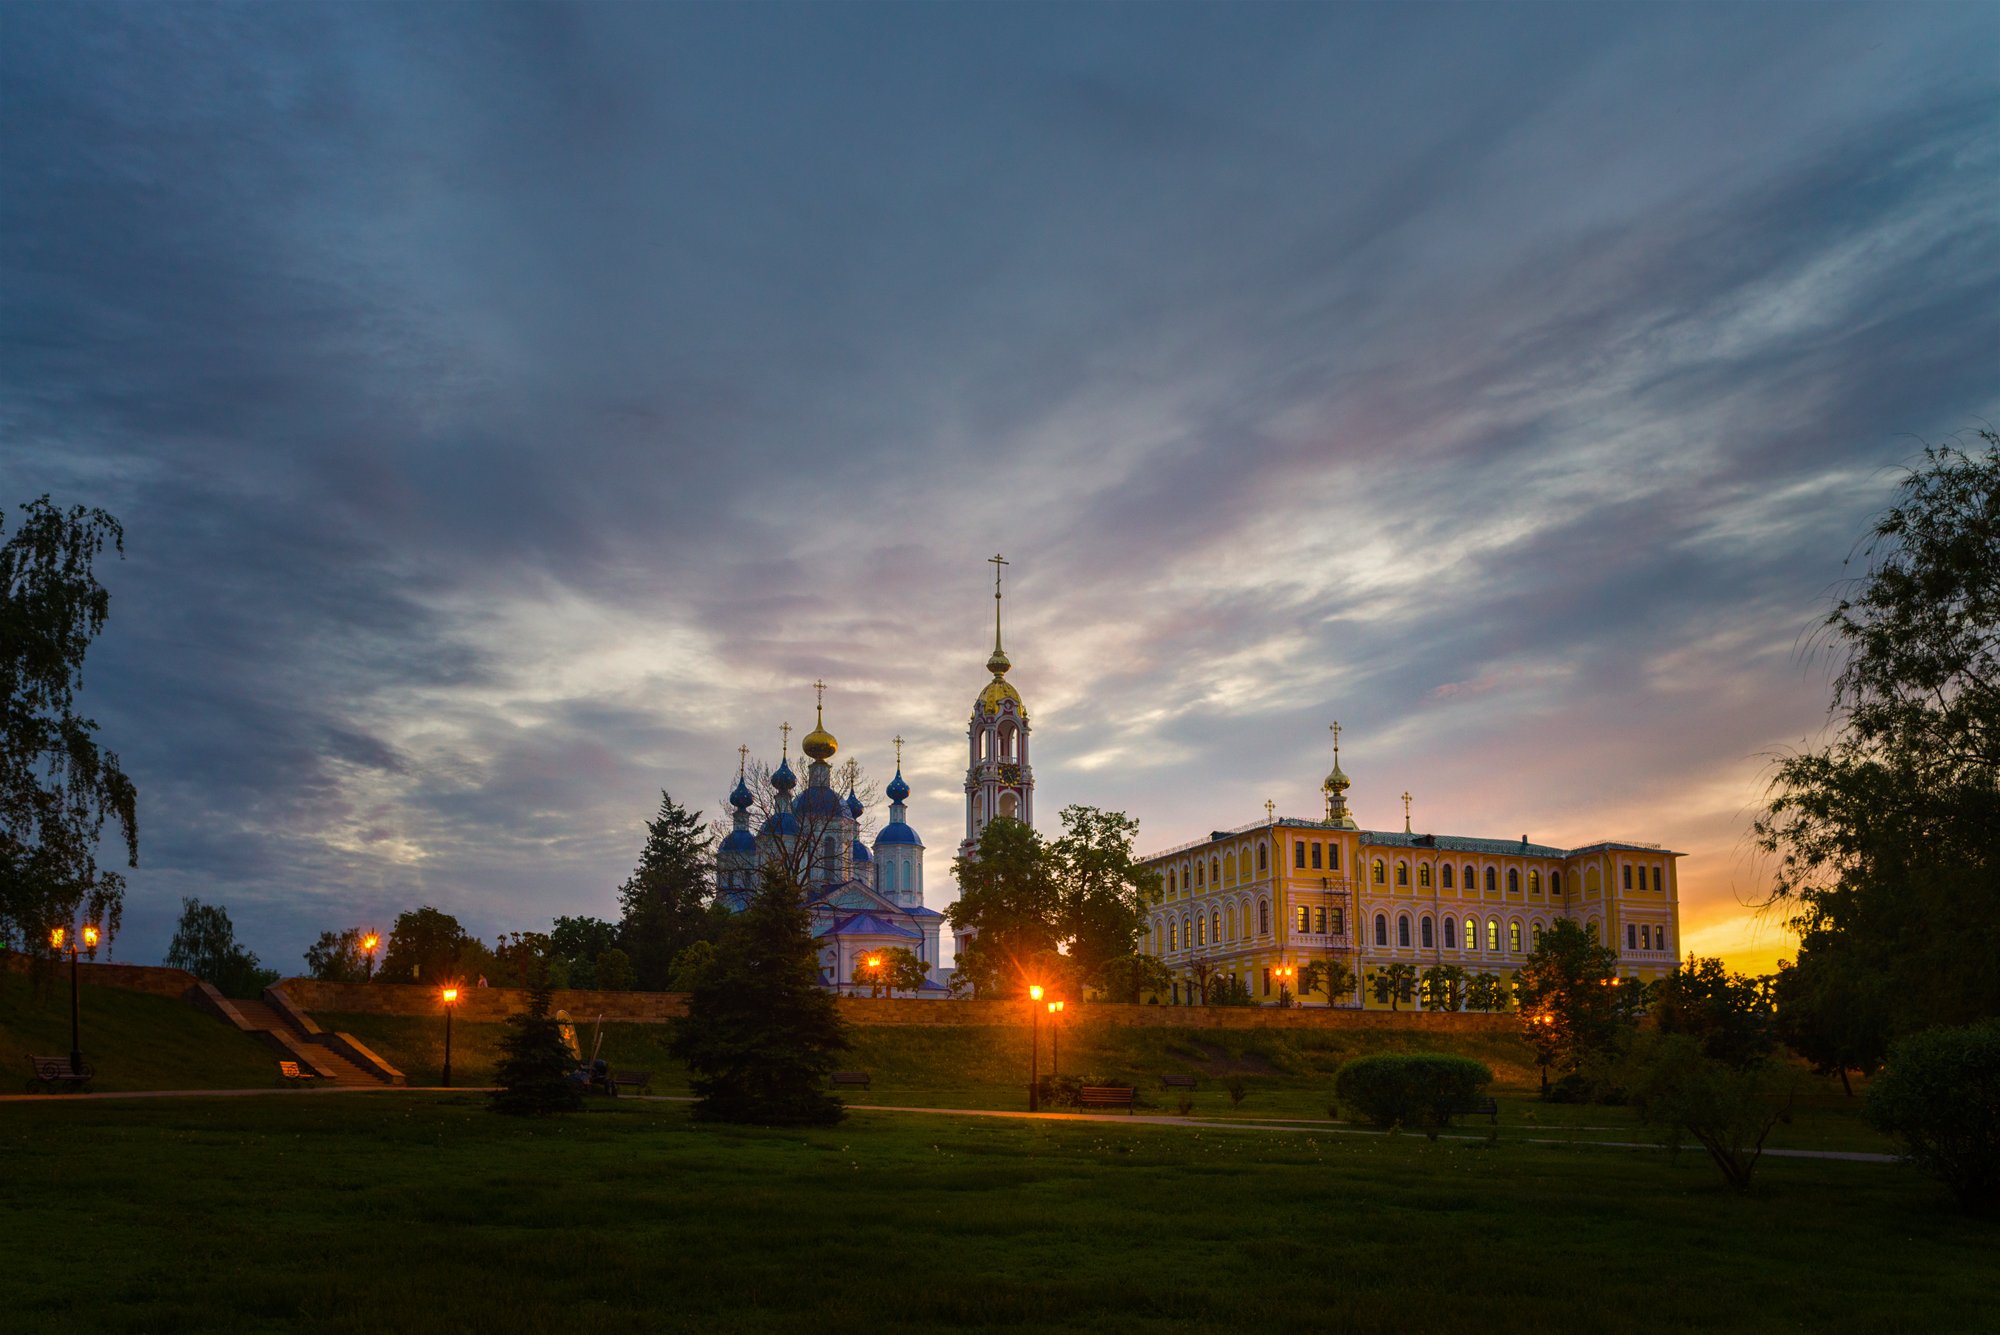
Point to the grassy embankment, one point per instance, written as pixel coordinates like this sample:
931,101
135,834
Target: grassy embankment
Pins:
418,1212
1285,1073
132,1040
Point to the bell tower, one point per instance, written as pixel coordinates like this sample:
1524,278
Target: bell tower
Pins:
998,779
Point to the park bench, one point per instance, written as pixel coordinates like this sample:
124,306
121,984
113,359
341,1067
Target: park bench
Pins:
856,1078
295,1074
639,1081
52,1073
1106,1096
1178,1081
1485,1107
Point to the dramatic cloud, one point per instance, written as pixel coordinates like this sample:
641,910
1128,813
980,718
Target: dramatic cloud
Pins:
512,409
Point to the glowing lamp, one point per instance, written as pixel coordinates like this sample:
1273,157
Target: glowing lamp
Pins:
1034,992
874,961
368,943
90,937
450,995
56,935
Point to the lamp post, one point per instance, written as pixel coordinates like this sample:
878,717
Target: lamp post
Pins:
1285,973
1542,1049
1034,1047
58,937
874,963
1055,1040
450,1000
368,944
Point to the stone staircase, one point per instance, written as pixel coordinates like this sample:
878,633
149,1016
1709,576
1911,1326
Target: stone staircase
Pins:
338,1059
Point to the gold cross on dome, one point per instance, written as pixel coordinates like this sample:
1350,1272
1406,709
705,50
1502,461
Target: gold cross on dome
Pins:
1270,809
996,561
742,762
785,747
899,753
819,702
1406,812
1334,728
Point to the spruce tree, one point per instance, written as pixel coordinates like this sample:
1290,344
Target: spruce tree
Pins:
536,1064
664,898
761,1033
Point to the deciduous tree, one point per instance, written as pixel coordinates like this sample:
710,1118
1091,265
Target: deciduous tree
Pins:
205,945
1568,990
1330,975
1394,985
337,958
425,947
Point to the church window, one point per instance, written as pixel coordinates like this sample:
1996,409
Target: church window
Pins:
1333,857
1631,937
1339,921
1215,925
1403,932
1491,885
1493,934
1315,856
1538,936
1006,741
1381,930
1427,933
1450,928
1472,934
1514,936
1263,917
1201,930
828,851
1263,858
1555,882
1173,937
1402,872
1444,877
1534,883
909,877
1628,876
1305,918
1299,854
1379,871
1423,875
1656,879
1513,880
891,869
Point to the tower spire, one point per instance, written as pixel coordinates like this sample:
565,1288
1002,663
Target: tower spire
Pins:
999,663
742,762
785,746
1336,786
899,753
819,704
1406,812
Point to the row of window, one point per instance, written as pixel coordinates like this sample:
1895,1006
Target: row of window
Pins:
1219,925
1645,936
1219,871
1657,882
1426,938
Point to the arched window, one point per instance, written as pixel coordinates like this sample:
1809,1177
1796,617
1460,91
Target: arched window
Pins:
1229,923
1173,937
1470,882
1555,882
1170,880
1656,879
1490,883
1201,930
1263,858
1534,883
1514,936
1472,934
1513,881
1450,928
1299,854
1427,933
1423,876
1538,936
1199,874
1263,917
1493,935
1215,925
1403,932
1444,877
1402,872
891,887
1381,930
1228,870
1380,871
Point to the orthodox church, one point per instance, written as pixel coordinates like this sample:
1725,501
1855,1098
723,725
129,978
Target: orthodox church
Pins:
864,899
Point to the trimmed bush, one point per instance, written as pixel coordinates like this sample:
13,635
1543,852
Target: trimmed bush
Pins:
1419,1090
1940,1092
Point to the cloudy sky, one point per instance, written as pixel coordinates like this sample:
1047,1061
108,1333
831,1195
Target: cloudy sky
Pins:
512,409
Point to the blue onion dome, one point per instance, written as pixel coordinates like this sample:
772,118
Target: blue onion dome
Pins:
854,807
897,832
861,853
817,803
897,790
737,841
739,797
783,823
782,777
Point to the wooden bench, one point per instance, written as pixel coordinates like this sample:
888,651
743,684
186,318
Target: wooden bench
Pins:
53,1073
856,1078
1486,1107
295,1074
639,1081
1106,1096
1178,1081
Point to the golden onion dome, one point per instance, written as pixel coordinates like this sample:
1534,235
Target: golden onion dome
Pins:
1336,781
999,663
996,691
819,744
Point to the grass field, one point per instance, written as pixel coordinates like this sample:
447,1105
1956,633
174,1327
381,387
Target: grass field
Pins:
132,1040
400,1212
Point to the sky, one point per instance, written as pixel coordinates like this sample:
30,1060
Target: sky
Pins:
514,409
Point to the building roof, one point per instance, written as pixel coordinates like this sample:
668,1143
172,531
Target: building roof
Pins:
1458,843
896,832
870,924
1448,843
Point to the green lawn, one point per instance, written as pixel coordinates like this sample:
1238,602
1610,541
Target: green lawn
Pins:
132,1040
365,1212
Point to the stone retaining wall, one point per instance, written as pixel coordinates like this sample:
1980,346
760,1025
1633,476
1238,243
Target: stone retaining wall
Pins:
174,984
475,1003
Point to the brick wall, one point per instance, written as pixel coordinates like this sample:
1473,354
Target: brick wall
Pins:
475,1003
155,979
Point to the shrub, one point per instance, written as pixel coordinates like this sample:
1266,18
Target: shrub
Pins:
535,1063
1941,1093
1729,1109
1420,1090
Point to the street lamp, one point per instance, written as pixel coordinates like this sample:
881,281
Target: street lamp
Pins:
874,963
1055,1040
368,944
450,1001
1542,1049
1284,973
58,936
1034,1047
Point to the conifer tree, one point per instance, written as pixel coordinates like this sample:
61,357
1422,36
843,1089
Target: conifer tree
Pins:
761,1033
665,897
535,1063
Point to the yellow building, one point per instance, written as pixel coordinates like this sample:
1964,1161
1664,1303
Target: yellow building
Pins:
1277,894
